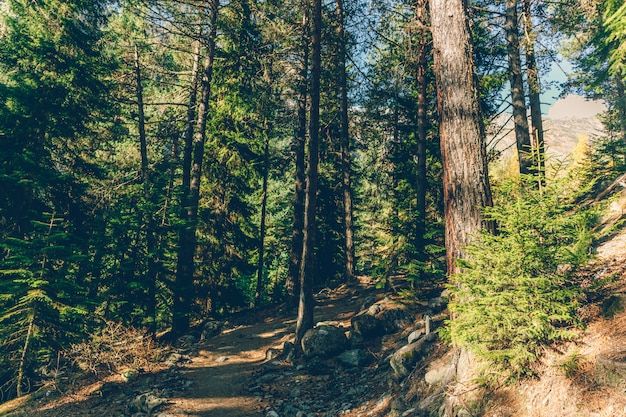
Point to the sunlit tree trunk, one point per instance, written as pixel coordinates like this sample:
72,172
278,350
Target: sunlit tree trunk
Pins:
305,305
345,144
534,90
518,99
464,157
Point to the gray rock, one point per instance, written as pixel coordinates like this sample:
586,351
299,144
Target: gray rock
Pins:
354,358
272,413
437,304
211,329
395,317
176,358
414,335
366,324
356,339
146,403
324,342
404,359
437,371
316,366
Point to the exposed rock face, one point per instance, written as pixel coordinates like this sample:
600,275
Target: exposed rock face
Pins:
324,341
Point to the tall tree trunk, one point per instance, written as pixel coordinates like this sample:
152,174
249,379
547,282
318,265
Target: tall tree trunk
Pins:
183,289
621,106
345,145
148,215
305,306
464,157
534,90
266,173
518,99
299,144
422,131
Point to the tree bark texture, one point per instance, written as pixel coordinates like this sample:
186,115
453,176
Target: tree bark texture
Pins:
346,164
305,305
183,289
422,121
518,99
463,150
299,148
534,90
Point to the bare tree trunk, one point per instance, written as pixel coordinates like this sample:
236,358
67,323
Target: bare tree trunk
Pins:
147,209
534,90
422,131
183,289
345,145
464,156
305,306
295,255
189,125
266,173
621,106
518,99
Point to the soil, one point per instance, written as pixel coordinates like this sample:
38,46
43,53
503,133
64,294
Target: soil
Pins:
217,378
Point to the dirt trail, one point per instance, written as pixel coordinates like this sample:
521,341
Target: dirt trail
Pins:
223,366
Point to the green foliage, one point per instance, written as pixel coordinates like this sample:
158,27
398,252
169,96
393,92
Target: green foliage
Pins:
514,294
40,308
615,23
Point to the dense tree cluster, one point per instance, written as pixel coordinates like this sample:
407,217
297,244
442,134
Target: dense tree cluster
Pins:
166,161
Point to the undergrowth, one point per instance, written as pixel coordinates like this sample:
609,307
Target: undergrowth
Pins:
515,293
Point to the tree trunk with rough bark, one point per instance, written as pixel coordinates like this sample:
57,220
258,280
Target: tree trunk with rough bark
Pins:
307,271
295,253
463,150
518,99
422,131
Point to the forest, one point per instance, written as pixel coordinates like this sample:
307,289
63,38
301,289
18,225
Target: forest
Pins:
167,161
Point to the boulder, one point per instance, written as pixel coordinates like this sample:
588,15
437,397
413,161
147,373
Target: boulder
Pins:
385,317
395,316
367,325
211,329
324,342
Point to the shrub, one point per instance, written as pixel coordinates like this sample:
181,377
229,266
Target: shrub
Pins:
514,294
114,349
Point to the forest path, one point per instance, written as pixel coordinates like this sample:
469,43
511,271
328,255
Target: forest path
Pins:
222,368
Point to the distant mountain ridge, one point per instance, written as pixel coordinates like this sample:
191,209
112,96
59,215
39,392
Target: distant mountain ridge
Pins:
569,120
